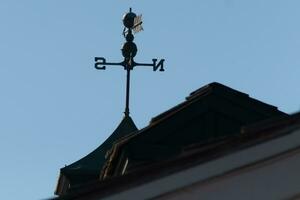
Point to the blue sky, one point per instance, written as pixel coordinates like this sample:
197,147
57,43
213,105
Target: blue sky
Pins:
55,107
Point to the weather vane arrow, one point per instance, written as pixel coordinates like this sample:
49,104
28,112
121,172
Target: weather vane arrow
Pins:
132,23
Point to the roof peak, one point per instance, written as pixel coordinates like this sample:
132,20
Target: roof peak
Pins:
87,168
220,90
214,86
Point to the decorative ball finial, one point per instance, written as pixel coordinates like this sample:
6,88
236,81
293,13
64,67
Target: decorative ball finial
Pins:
129,50
128,19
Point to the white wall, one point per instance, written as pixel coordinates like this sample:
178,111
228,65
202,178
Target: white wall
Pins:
276,179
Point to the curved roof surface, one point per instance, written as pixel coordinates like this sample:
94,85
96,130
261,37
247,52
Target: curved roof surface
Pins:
90,165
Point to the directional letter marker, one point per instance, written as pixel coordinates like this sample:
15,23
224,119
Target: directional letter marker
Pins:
132,23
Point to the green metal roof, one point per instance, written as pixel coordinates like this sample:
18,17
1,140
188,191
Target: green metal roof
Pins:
212,112
88,168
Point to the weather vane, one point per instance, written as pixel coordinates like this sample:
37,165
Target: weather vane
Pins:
132,23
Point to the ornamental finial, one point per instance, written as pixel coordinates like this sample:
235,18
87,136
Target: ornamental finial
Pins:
132,24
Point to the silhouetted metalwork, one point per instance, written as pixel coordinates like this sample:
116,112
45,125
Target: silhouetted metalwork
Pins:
132,23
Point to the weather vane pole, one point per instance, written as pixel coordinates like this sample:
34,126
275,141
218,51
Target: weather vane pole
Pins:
132,23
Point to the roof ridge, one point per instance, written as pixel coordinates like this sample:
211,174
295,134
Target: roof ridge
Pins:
214,86
207,89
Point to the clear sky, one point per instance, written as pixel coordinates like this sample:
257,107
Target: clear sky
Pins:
55,107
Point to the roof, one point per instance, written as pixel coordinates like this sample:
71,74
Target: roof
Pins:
210,102
221,91
210,113
88,168
195,155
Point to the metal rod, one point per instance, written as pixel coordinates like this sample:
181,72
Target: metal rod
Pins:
127,92
144,64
